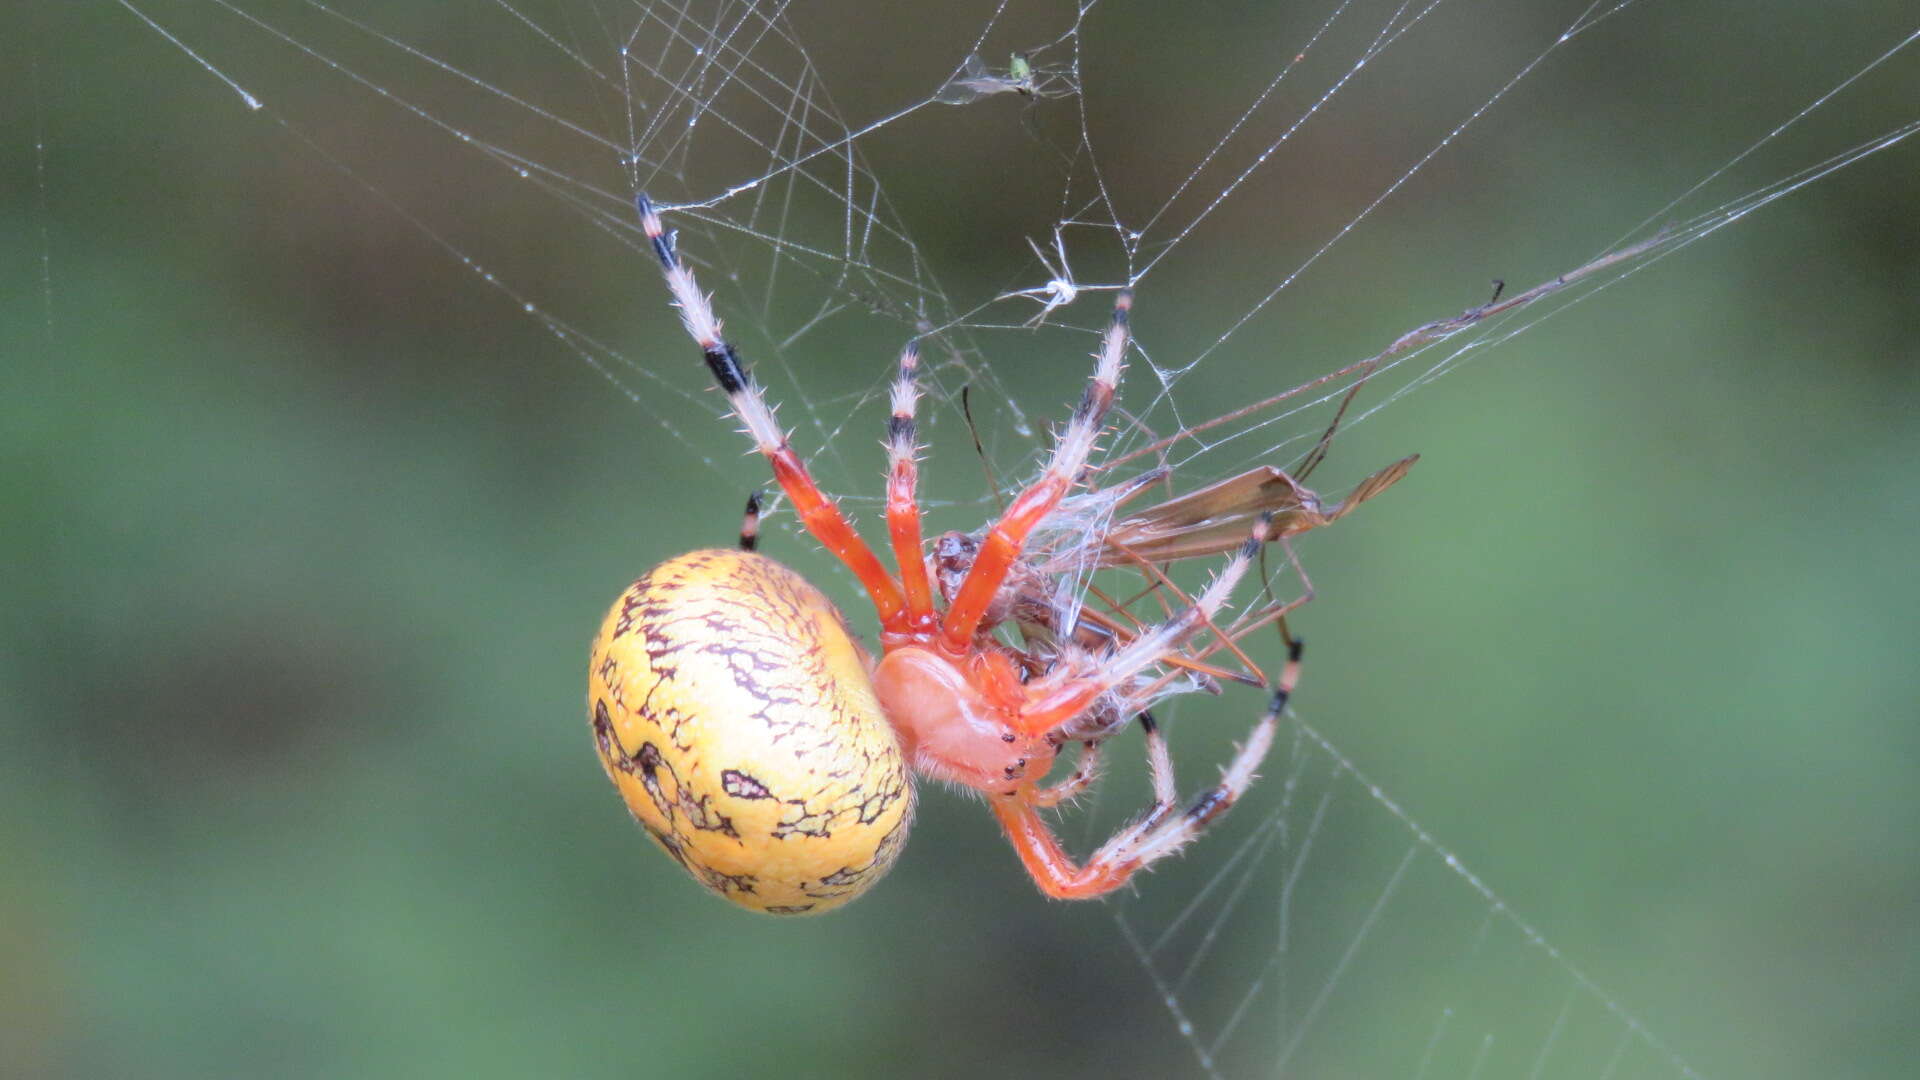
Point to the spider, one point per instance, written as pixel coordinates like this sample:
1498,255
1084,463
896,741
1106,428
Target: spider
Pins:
773,758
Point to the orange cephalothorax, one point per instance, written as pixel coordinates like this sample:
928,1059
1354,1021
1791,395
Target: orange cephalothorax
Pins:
959,721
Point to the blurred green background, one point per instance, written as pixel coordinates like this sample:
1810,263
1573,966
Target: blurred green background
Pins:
305,530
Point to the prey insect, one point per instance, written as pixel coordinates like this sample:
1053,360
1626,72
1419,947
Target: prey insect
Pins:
975,80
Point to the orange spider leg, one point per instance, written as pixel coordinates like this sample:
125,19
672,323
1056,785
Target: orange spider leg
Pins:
1004,541
1084,770
903,506
819,513
1156,834
822,517
1159,766
1046,861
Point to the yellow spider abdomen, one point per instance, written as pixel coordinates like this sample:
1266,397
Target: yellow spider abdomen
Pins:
735,714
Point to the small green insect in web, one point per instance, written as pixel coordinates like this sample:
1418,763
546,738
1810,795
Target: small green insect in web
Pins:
975,81
1021,73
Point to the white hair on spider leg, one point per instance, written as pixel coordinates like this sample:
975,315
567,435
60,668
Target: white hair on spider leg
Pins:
696,315
904,396
1076,442
754,412
695,307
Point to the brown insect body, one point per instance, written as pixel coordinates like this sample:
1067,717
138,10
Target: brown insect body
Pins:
1215,518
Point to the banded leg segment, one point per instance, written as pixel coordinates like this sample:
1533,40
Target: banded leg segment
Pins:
750,524
903,506
1008,535
1156,835
818,512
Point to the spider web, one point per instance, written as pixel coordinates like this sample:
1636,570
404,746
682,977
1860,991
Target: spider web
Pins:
804,166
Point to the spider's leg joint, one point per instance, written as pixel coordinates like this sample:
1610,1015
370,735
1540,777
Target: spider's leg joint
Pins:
750,523
660,237
724,362
1211,805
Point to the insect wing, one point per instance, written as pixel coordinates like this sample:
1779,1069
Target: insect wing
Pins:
972,83
1218,517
